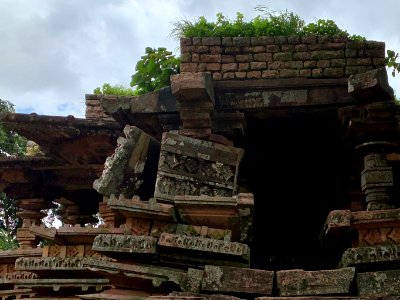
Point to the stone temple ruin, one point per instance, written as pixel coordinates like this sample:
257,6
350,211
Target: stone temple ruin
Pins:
269,169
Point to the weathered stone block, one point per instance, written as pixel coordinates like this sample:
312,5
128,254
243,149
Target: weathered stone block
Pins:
282,56
371,85
323,282
194,167
379,284
237,280
193,86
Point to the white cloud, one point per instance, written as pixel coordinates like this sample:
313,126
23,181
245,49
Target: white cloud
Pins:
54,52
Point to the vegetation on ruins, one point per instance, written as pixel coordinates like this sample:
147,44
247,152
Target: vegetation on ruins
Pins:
154,69
153,72
391,61
11,144
268,23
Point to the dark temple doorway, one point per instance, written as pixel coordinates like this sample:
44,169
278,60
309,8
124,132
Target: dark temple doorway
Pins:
294,166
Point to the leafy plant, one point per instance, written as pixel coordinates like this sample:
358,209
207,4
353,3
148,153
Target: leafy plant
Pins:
153,72
391,61
10,142
154,69
268,23
7,241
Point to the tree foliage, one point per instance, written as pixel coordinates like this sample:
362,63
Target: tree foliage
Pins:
11,144
391,61
153,72
119,90
154,69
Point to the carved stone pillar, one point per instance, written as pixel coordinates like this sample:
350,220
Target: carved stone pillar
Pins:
30,214
376,181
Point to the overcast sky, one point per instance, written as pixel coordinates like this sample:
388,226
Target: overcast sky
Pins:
53,52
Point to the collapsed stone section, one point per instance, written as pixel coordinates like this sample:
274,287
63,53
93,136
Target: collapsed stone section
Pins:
124,171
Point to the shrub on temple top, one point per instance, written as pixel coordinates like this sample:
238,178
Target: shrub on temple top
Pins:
268,23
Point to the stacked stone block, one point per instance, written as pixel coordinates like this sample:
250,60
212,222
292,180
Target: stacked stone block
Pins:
311,56
94,109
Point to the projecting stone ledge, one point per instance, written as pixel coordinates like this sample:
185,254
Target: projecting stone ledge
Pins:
133,244
371,86
198,251
135,208
308,283
149,277
233,213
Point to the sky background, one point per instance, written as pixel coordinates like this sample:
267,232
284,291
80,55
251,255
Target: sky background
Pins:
53,52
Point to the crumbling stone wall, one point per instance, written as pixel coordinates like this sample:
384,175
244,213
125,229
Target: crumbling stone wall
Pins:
311,56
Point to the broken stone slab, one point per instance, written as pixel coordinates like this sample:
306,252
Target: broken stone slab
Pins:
124,171
370,257
307,283
379,284
197,251
237,280
150,278
371,86
135,208
233,213
189,166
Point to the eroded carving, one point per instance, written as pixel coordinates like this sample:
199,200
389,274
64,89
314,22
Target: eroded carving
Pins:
125,243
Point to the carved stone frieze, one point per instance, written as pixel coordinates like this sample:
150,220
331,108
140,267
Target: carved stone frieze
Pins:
189,166
125,243
49,263
371,255
194,251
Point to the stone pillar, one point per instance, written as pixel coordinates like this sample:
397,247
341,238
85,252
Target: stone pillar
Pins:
376,181
194,94
30,214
